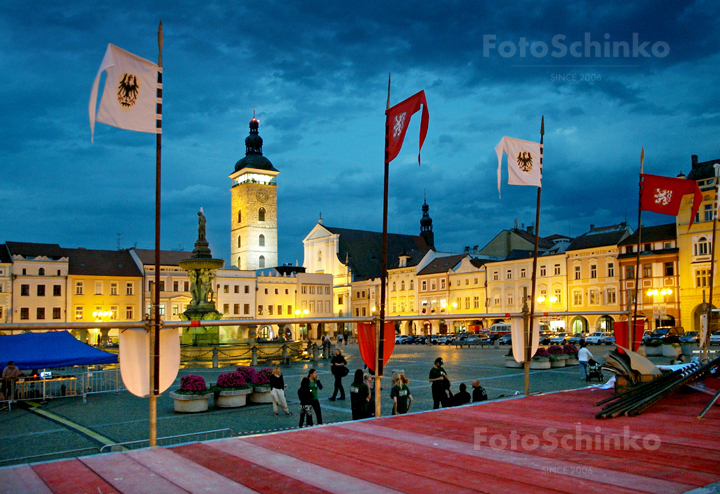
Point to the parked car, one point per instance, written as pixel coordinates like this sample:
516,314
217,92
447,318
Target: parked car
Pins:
443,340
608,340
670,334
505,340
559,339
401,338
646,337
715,338
594,339
458,338
575,339
690,337
410,339
480,339
545,337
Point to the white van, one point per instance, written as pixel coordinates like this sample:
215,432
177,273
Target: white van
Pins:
501,328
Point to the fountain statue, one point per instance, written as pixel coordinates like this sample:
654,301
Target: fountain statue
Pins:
201,269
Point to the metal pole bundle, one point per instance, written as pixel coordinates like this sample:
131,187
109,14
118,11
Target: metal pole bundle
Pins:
643,396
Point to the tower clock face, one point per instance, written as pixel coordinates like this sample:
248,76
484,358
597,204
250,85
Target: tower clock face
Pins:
261,196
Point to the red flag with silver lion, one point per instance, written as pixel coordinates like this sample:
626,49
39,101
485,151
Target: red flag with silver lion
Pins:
399,118
664,194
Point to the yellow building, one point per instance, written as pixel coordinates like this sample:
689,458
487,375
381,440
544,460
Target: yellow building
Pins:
695,247
467,293
593,277
103,286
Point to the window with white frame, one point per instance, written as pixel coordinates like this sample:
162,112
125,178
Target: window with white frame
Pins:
611,270
556,269
577,297
508,274
702,246
522,272
611,296
543,271
78,288
98,287
577,272
113,288
593,271
593,296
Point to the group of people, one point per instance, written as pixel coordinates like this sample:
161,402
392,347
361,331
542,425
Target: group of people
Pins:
362,392
443,396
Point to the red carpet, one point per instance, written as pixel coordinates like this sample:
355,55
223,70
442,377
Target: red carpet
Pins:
539,444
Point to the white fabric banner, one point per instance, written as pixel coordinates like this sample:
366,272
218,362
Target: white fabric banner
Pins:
129,100
518,339
134,358
523,162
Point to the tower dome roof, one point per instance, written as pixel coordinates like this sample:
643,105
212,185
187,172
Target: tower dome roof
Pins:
253,151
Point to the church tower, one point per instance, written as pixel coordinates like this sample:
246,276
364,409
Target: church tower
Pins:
253,231
426,228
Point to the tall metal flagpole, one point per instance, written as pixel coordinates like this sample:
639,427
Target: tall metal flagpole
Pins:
708,314
638,292
529,326
155,331
380,331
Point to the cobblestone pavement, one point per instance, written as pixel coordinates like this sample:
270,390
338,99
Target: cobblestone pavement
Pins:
120,418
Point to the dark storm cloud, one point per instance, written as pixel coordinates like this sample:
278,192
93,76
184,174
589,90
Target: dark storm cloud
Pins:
316,73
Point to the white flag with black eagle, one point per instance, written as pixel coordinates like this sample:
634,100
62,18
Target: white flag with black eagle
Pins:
129,100
523,161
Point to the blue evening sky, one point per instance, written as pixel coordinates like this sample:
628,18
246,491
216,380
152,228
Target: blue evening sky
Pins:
609,77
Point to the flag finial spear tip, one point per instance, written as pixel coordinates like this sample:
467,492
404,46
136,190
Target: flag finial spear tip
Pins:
542,126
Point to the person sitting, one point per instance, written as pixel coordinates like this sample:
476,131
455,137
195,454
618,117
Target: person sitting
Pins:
479,393
9,376
462,397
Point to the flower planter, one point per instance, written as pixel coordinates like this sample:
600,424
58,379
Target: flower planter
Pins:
232,398
540,364
557,363
190,403
512,363
687,350
571,361
670,351
653,351
261,395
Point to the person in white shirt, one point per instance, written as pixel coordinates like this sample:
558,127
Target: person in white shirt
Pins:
584,356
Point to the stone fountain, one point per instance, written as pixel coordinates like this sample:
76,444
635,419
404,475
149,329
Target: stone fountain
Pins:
201,269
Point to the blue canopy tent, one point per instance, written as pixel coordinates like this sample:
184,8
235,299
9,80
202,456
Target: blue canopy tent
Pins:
49,350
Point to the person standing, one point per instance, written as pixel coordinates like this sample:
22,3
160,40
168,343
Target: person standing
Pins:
359,396
306,398
584,357
277,391
315,385
338,365
400,394
440,383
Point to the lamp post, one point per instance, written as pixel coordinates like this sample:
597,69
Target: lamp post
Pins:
654,292
99,315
